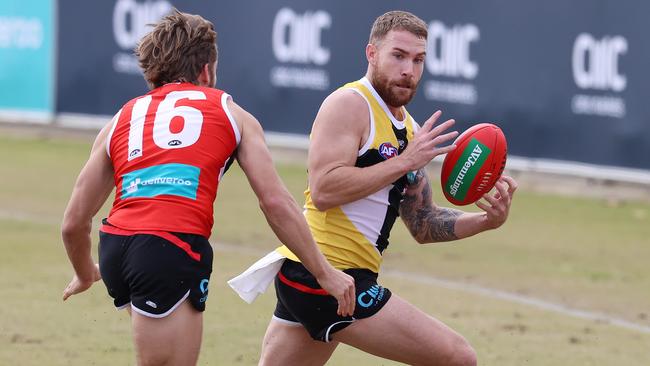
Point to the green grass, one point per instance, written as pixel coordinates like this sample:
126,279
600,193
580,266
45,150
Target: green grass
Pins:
582,253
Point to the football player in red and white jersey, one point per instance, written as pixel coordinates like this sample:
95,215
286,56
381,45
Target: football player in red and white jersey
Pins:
164,153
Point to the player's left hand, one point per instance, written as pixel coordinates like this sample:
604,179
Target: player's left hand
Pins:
76,285
340,285
498,204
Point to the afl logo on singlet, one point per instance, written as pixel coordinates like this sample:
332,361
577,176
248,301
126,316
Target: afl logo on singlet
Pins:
387,150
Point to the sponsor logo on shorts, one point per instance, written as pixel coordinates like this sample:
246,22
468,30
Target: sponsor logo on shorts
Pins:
371,297
152,304
172,179
203,286
387,150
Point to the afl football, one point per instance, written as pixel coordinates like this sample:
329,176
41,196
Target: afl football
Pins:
472,169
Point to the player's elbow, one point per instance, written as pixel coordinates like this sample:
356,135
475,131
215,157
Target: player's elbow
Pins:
273,204
72,227
321,200
418,236
325,191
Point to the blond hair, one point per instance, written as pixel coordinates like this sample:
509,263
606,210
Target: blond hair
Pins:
397,20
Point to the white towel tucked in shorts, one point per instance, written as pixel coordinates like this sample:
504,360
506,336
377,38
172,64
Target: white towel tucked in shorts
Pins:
257,278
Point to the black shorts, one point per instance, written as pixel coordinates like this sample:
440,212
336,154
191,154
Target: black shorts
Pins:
302,300
152,273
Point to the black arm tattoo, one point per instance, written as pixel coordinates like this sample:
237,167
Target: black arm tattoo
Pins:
427,222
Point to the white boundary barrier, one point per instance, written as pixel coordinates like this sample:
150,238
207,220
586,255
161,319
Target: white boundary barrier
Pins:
595,173
515,163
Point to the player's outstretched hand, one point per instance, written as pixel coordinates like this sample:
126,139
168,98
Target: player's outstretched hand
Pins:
426,142
341,286
498,204
77,285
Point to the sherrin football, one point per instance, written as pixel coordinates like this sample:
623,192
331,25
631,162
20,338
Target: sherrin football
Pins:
472,169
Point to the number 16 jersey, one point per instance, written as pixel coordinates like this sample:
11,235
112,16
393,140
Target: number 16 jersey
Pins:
169,149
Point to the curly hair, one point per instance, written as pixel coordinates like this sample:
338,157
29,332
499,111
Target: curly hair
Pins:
177,49
399,20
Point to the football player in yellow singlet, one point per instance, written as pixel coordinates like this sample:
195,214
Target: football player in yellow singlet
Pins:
366,168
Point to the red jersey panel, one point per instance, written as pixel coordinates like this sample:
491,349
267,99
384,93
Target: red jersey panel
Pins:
169,149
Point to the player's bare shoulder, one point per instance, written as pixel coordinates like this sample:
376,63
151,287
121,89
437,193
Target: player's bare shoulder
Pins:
346,100
243,118
344,106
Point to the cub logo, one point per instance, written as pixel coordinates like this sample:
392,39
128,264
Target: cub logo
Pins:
387,150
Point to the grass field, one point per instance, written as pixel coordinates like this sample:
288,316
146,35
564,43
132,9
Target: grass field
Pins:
580,254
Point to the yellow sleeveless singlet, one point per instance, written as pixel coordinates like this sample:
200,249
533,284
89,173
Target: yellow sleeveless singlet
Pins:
355,234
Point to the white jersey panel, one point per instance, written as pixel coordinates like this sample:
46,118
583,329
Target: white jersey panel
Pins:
368,214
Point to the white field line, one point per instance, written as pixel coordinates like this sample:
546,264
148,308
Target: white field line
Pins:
479,290
29,217
515,298
413,277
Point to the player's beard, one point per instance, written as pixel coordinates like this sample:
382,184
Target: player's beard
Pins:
390,92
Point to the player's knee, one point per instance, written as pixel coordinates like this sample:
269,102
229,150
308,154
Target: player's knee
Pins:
463,355
456,352
151,359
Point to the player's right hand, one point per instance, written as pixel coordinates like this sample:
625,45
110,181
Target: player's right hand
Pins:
341,286
425,143
497,205
77,285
